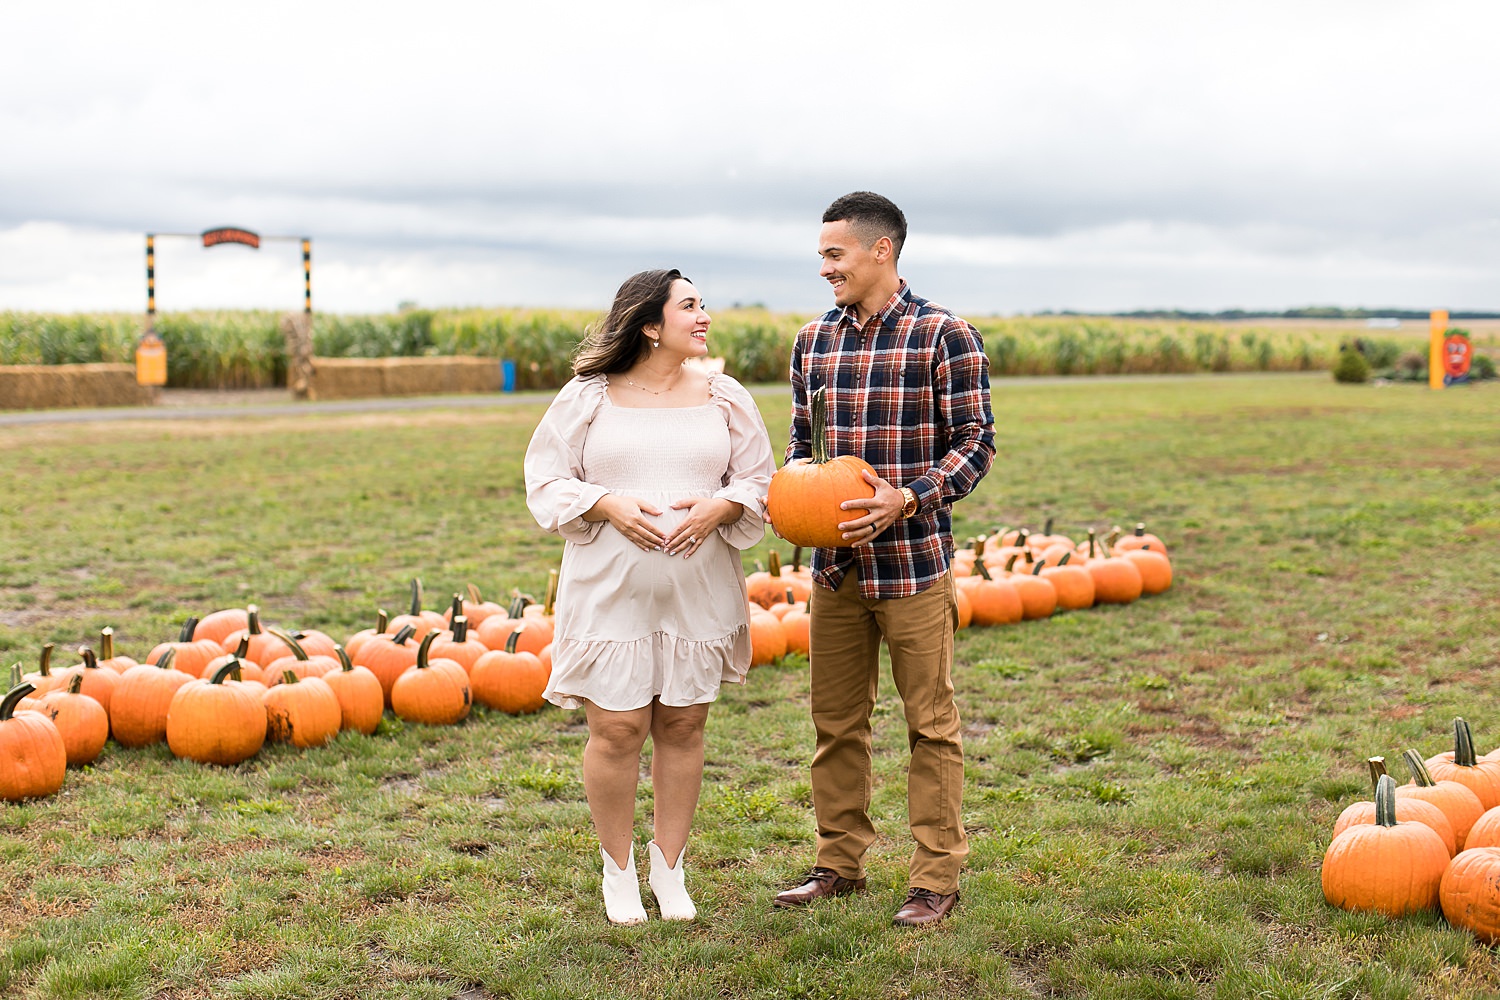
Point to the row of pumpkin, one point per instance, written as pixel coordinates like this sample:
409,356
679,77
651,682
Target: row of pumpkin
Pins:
1432,843
1001,579
227,685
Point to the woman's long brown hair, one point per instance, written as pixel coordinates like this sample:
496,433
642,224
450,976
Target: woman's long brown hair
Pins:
618,341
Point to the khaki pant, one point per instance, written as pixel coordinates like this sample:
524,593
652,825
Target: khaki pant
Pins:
846,634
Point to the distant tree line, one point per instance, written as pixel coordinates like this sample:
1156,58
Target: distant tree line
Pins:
1306,312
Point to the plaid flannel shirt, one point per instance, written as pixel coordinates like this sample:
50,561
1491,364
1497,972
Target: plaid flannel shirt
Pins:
910,394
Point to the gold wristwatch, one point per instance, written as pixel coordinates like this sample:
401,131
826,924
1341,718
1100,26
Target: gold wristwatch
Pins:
910,507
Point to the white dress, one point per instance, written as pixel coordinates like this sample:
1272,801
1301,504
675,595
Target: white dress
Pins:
632,625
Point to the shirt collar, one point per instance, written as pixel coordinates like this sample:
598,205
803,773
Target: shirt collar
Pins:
894,307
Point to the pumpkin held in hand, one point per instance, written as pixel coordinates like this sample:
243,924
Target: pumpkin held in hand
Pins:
804,496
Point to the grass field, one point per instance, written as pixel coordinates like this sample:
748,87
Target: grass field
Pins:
1149,788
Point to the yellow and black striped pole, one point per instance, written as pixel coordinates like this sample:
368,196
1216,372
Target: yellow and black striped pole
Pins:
307,275
150,279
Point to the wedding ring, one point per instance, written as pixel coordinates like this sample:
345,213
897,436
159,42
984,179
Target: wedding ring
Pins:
692,540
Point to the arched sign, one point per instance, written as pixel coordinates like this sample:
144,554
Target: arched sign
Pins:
228,234
1458,353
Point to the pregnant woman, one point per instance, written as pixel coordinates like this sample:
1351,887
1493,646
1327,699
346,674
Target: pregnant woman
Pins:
652,470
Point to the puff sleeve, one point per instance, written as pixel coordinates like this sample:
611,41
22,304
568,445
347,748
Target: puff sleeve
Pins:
556,492
751,464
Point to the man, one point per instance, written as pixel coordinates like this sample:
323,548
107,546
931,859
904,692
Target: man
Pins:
907,390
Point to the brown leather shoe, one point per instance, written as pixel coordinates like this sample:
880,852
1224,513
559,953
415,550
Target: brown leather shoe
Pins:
923,906
820,882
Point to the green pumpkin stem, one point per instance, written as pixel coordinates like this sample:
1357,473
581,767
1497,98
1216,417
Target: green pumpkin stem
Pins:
797,559
773,563
512,639
1385,801
90,661
1463,745
401,637
1010,562
1092,553
1036,568
75,683
1140,528
519,602
188,628
242,648
229,671
456,608
345,664
1377,770
978,546
1113,537
253,627
164,661
291,642
474,597
46,664
817,405
289,677
106,643
1418,768
13,698
791,598
460,629
1047,527
422,650
1064,560
416,597
381,620
982,569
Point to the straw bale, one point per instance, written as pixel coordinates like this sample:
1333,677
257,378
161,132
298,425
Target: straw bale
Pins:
347,378
39,387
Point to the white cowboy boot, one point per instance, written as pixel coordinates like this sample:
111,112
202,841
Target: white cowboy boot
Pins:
667,885
622,891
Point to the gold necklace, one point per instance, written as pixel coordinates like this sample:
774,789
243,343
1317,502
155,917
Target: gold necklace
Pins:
654,392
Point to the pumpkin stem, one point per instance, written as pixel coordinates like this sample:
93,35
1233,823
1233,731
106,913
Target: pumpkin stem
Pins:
13,698
75,683
1418,768
456,608
416,596
345,664
90,661
1010,562
773,563
460,629
402,636
818,425
1064,560
289,677
512,639
1463,744
797,559
381,621
549,596
1092,554
188,628
1385,801
979,541
422,649
982,569
474,597
46,666
242,648
1377,769
1140,528
106,643
253,613
1047,527
791,598
292,644
1036,568
164,661
224,672
1114,536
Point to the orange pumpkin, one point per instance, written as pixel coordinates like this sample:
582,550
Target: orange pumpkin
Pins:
804,496
220,625
1485,832
388,657
138,708
796,625
1139,539
265,647
213,722
190,654
44,679
1457,802
1407,810
1480,776
363,636
1389,867
476,608
302,711
33,758
435,691
1038,595
361,698
107,656
1116,580
249,669
297,661
99,683
1074,584
1470,893
510,679
765,586
1156,569
421,622
458,645
992,600
767,638
80,720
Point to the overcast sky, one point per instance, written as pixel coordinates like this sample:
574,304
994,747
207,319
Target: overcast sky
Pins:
1095,156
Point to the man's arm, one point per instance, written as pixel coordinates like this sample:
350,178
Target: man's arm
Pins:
962,387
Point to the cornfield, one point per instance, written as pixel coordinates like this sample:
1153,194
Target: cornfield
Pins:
245,349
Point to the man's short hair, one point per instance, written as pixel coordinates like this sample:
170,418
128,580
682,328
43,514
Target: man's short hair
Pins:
871,216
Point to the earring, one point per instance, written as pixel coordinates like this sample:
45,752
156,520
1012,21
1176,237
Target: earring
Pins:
655,343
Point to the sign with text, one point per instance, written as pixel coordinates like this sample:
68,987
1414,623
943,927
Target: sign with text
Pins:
214,237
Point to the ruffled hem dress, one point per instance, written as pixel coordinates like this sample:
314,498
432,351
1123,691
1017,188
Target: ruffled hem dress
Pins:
632,625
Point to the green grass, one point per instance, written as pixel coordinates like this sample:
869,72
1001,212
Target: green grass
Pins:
1149,788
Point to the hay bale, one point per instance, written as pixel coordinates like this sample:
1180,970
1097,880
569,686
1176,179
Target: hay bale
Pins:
39,387
345,378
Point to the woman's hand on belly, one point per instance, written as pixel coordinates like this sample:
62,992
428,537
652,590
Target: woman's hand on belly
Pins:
629,516
705,515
